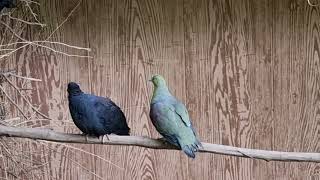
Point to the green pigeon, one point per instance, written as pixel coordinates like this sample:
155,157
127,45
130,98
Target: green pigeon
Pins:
171,119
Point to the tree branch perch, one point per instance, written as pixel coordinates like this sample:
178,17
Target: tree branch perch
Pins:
50,135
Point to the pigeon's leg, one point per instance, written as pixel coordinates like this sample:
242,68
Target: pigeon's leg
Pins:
86,136
163,140
103,138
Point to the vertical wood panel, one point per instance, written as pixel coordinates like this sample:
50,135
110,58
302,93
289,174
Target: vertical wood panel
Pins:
248,71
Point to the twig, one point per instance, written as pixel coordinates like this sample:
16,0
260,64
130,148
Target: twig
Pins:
50,42
24,98
28,2
23,77
6,49
65,20
313,5
49,135
11,52
89,153
12,101
13,119
5,72
73,161
36,44
31,2
13,159
8,172
24,21
4,165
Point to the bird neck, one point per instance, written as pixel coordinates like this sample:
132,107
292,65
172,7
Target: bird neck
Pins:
75,93
160,92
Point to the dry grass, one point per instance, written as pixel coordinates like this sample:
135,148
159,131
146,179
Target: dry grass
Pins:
312,4
27,159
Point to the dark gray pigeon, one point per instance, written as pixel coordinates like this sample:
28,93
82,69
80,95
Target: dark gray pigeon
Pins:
7,4
95,115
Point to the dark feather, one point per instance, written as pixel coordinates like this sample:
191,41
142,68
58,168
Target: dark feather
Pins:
95,115
7,4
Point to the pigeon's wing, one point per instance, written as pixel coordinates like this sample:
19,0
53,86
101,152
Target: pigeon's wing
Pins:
182,112
163,119
168,122
190,147
169,115
111,116
175,126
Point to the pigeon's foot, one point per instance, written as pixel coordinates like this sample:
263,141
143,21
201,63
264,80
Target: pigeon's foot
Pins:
86,136
103,137
163,140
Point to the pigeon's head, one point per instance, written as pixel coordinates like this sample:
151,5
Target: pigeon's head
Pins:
73,88
158,80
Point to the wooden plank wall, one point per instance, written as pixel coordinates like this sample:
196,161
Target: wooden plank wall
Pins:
248,71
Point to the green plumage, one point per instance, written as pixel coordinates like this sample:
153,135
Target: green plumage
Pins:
171,119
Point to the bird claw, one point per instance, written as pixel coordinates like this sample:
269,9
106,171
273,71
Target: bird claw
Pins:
163,140
103,137
86,136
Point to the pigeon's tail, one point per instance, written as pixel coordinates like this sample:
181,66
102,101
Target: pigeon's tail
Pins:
190,149
123,132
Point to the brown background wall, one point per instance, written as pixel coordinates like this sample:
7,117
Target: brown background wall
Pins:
248,71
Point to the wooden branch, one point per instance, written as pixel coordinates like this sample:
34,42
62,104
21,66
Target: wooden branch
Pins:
50,135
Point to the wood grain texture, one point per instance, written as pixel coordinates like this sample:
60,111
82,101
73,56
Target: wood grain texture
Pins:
248,71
